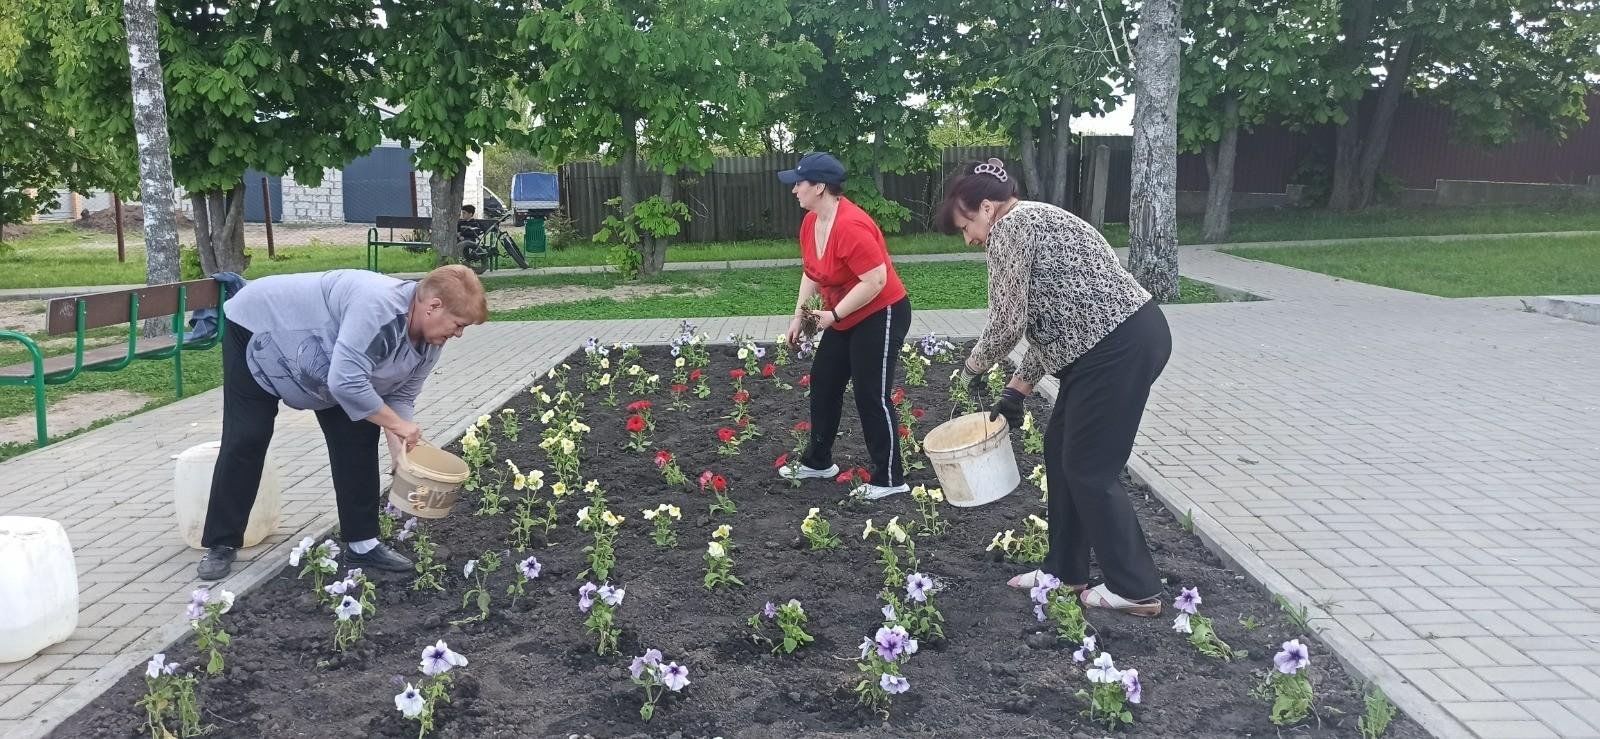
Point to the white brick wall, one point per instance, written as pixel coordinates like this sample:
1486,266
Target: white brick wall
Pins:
323,203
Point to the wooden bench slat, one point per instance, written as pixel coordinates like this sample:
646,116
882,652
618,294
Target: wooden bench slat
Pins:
91,358
411,222
111,308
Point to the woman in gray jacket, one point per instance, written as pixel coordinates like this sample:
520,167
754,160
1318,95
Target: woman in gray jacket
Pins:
1054,280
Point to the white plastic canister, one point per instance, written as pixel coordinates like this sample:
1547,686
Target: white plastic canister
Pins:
192,488
38,584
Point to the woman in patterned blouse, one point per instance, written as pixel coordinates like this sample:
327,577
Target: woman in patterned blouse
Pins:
1055,281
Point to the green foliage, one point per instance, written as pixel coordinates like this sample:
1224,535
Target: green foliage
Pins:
655,217
1379,712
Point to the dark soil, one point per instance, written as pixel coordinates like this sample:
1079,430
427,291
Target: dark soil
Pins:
533,669
105,221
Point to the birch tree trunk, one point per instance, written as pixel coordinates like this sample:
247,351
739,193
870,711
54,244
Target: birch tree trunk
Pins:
155,150
1061,175
1219,165
1153,211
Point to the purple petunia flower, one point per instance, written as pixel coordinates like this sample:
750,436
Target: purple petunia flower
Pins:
407,531
1082,655
1038,612
586,596
197,603
1104,670
338,587
1042,588
1293,658
439,659
866,646
1181,624
769,610
893,684
333,549
612,595
888,613
1188,601
156,664
347,609
761,352
674,676
530,567
917,587
890,643
1131,687
409,702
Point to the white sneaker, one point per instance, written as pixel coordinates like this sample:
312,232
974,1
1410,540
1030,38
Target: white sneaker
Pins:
874,492
806,473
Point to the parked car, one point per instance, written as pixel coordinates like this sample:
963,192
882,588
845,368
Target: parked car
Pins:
493,206
534,194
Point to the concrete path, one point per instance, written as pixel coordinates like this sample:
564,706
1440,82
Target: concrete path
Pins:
1423,473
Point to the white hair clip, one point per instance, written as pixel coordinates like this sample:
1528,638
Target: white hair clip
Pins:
992,167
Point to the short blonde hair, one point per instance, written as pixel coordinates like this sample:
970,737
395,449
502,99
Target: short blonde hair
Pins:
457,287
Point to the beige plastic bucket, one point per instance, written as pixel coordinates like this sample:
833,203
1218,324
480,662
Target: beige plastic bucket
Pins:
973,459
427,481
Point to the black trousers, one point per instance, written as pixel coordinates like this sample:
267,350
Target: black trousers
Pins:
868,356
248,416
1087,443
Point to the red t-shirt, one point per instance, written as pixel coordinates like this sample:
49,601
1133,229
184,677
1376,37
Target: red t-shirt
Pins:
855,247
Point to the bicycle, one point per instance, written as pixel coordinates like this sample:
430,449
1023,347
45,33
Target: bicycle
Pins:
479,243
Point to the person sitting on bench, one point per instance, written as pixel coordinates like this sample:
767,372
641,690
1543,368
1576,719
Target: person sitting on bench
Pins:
353,346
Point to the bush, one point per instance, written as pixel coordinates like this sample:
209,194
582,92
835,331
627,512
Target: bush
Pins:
560,230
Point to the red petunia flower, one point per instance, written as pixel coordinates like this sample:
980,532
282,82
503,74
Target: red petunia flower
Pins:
725,434
783,459
769,370
862,473
805,381
635,424
737,374
694,376
899,396
639,405
663,458
743,422
680,389
743,396
705,479
718,484
905,431
844,477
803,426
917,413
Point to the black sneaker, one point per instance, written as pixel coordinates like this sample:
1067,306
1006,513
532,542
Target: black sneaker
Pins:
218,562
380,557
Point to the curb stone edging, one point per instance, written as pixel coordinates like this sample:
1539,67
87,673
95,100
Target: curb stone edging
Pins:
1346,646
253,576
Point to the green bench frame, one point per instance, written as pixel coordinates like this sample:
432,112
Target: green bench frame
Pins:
77,315
410,223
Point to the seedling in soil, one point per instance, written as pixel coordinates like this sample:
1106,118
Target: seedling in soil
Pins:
656,679
1288,685
205,614
388,521
600,602
960,399
919,615
1113,691
669,469
780,346
701,389
741,406
602,554
1187,522
769,371
719,560
928,500
418,704
1051,602
1249,623
1039,480
358,599
1298,615
996,380
1379,713
638,434
643,409
527,570
729,442
643,383
320,563
1032,435
662,516
790,619
1030,548
679,389
509,427
718,486
818,532
479,569
749,352
1199,628
428,571
888,557
881,657
525,522
916,366
169,695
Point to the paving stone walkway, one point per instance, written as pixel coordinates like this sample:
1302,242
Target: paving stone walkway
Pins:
1423,473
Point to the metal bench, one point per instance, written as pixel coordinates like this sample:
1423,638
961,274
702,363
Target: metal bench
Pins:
409,223
79,314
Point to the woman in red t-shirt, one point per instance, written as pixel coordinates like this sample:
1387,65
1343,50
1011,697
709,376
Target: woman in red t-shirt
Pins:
865,317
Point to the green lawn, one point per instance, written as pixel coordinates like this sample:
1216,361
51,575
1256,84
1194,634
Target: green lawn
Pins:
58,255
1462,269
767,292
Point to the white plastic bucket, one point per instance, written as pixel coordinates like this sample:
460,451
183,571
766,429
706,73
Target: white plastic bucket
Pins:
973,459
191,484
427,481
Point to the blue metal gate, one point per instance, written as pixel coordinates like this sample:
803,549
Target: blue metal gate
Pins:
378,184
252,197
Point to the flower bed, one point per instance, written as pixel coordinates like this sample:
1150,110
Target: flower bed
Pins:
731,623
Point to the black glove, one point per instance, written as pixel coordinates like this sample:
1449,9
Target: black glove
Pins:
1010,406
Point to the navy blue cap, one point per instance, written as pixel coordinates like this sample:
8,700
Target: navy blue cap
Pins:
818,166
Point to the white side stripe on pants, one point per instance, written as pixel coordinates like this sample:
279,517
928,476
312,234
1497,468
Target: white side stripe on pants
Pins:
883,397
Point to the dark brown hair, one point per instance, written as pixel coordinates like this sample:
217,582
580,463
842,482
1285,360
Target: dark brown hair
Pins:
971,186
828,187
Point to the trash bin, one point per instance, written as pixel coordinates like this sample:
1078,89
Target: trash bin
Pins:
533,236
